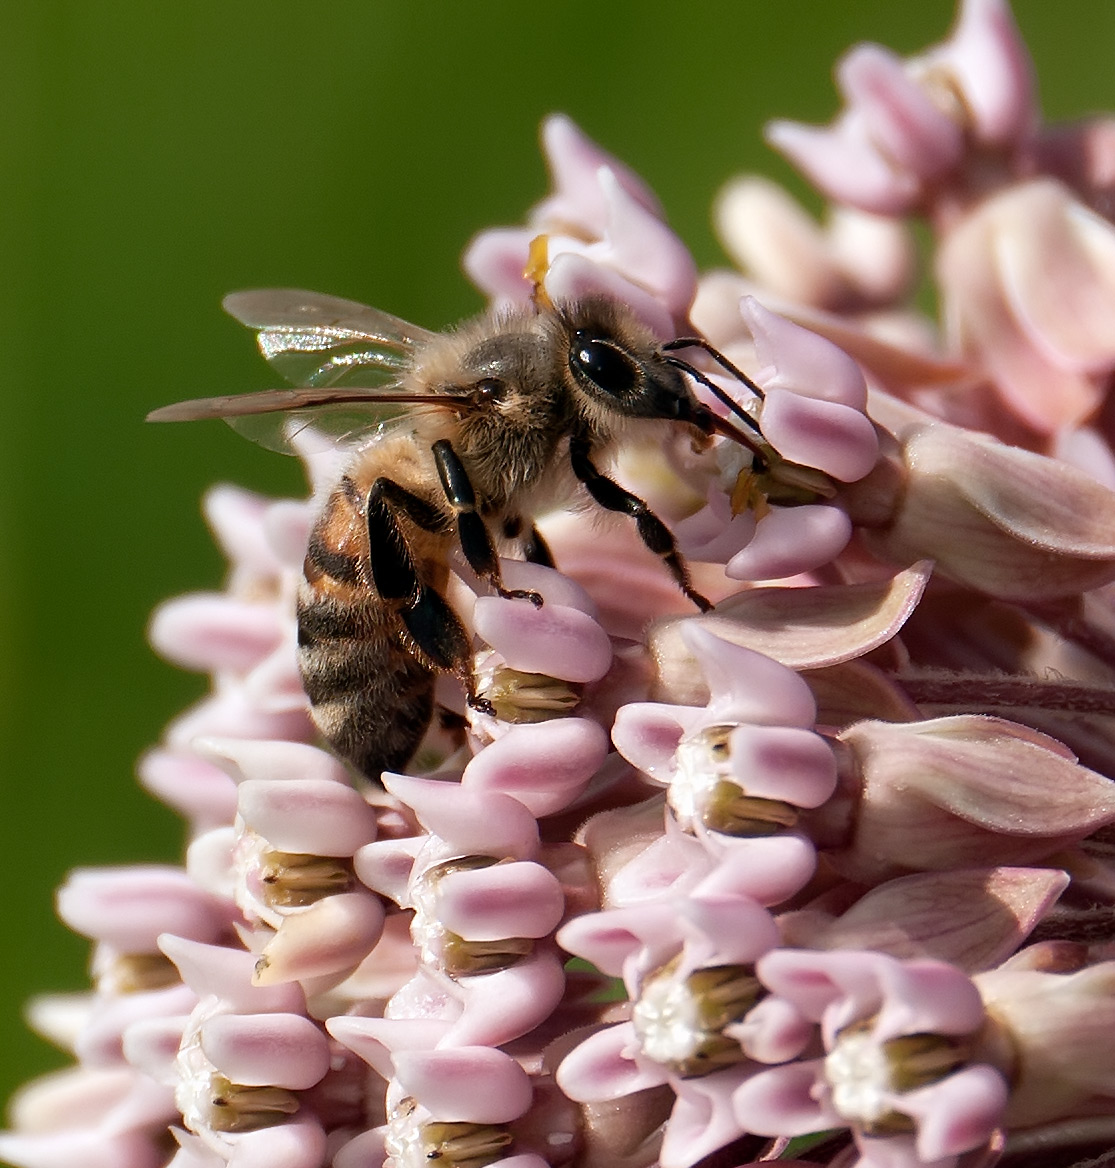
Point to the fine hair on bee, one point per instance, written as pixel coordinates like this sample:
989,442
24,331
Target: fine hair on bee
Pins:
505,418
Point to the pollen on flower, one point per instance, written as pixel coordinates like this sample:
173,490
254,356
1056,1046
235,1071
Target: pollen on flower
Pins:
679,1019
867,1076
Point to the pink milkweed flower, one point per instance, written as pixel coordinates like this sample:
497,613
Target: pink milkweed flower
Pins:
247,1057
686,964
911,127
812,434
604,235
483,906
1026,289
853,263
907,1063
739,770
456,1105
287,860
103,1117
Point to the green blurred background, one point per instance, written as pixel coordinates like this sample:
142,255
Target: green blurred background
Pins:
155,156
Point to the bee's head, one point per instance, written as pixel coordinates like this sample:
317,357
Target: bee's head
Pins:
615,366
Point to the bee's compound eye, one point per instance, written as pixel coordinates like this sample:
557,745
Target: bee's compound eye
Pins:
489,389
603,363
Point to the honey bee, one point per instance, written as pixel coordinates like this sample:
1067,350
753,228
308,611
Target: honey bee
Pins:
505,417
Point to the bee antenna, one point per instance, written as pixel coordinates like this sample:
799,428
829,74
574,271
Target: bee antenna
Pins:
719,358
715,389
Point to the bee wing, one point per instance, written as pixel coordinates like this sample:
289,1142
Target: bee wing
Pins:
316,340
347,359
275,417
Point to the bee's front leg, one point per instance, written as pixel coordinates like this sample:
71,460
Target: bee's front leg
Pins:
476,540
652,531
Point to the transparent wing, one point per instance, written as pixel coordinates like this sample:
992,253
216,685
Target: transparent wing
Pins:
316,340
348,360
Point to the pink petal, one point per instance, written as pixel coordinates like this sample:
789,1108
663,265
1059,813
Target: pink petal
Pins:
598,1070
485,822
745,685
130,907
495,259
503,1006
612,938
908,127
298,1143
780,1102
196,789
378,1041
474,1084
554,640
330,938
213,632
310,816
273,760
572,276
846,165
574,161
227,974
926,997
545,766
506,900
780,762
236,518
959,1113
702,1120
645,250
281,1050
115,1019
773,1031
647,735
790,540
833,437
86,1146
768,869
802,361
990,59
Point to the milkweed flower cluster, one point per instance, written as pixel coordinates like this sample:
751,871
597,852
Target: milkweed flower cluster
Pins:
822,874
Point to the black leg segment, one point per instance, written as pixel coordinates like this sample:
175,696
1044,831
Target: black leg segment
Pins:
434,627
476,540
652,531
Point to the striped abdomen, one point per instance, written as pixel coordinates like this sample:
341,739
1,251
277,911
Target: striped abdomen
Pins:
371,688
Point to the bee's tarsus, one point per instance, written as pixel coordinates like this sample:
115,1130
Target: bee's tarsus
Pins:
481,705
522,594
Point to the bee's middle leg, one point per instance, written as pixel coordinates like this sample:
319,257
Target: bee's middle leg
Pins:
426,615
472,531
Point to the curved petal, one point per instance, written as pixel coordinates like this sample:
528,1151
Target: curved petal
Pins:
600,1068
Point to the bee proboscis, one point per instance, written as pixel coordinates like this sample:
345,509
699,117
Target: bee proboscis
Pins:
506,417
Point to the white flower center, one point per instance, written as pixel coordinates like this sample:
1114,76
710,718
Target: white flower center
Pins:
667,1019
859,1073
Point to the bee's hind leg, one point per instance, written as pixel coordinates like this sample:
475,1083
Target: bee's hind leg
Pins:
476,540
426,615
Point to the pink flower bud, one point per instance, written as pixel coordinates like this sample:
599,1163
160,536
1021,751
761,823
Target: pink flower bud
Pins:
966,791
